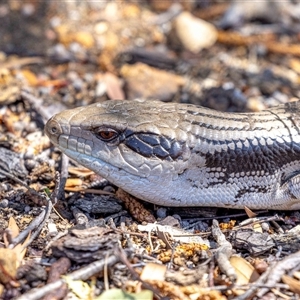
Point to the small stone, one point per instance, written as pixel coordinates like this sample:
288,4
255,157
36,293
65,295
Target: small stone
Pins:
161,212
177,217
143,81
255,104
109,189
35,274
195,34
28,9
52,229
265,226
4,203
27,209
101,89
190,264
30,164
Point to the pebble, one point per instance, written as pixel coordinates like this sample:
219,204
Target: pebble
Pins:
201,226
161,212
30,164
78,84
52,229
101,88
190,265
28,9
282,98
265,226
29,154
177,217
4,203
27,209
60,53
256,104
109,189
194,34
34,136
143,81
55,21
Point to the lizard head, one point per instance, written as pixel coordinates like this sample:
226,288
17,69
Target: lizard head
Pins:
123,141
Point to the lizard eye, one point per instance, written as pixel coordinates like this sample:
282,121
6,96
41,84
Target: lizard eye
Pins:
106,134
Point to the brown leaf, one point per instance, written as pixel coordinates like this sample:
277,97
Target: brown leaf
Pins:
8,265
297,275
294,284
249,212
80,171
245,272
13,229
20,252
12,225
295,65
1,289
30,77
73,182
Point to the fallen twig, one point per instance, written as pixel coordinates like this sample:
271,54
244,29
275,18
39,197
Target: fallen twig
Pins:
223,252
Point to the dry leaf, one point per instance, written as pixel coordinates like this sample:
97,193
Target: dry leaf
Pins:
55,83
295,65
13,229
30,77
118,294
297,275
19,252
73,182
10,259
8,265
1,289
80,171
294,284
249,212
154,271
245,272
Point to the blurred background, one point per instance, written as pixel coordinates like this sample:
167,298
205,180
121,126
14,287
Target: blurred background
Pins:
227,55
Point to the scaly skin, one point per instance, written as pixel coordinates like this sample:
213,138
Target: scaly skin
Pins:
184,155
